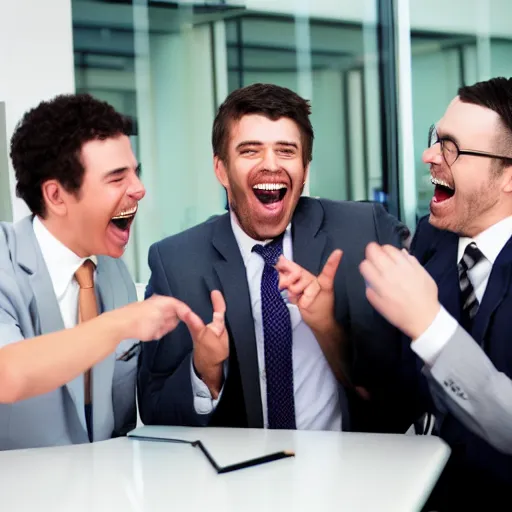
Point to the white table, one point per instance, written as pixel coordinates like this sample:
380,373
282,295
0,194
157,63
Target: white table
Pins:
339,472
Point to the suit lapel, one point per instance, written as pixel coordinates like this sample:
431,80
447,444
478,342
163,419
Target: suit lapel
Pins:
47,311
107,296
308,241
232,275
442,266
495,291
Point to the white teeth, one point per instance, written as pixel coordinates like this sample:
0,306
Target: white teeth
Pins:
126,213
269,186
437,181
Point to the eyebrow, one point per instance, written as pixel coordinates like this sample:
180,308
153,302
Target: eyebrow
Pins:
444,135
287,143
121,170
246,143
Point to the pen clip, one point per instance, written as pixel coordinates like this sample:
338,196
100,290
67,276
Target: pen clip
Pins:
130,353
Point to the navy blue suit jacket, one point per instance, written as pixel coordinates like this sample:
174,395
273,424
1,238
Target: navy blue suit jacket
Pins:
475,465
206,257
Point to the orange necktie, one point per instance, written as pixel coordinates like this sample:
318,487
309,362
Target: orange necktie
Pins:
87,308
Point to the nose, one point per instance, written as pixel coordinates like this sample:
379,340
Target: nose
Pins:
136,189
432,155
270,161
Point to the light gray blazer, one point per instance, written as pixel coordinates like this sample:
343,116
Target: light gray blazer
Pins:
28,308
465,381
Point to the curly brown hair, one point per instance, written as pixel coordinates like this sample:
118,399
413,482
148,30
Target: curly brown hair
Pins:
48,140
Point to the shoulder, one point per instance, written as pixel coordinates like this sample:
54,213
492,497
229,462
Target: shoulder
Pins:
7,245
332,207
195,237
348,210
14,284
364,218
118,275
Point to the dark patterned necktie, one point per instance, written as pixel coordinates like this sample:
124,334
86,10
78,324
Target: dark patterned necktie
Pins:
277,333
469,302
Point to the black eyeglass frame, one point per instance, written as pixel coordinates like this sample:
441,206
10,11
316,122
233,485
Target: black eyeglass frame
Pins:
440,140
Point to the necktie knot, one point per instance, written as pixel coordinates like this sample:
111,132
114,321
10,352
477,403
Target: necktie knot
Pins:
270,252
472,255
85,275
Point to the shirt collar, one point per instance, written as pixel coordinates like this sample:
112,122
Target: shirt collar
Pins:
491,241
62,262
246,243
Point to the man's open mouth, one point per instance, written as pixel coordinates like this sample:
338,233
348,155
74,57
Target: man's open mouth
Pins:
443,191
124,218
268,193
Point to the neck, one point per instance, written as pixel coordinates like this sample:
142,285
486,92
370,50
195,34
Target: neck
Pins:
64,235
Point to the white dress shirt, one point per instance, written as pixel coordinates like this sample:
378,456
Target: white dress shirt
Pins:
317,404
62,263
490,242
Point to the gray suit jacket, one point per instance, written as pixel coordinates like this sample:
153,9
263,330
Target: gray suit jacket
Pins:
29,308
465,381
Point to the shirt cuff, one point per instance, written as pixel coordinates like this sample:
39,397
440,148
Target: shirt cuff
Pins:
431,343
204,403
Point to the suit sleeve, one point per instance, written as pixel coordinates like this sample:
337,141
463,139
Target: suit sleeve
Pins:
9,325
469,385
165,391
389,229
408,396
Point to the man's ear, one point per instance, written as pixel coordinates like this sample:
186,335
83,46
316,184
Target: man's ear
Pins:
220,171
507,179
306,172
54,197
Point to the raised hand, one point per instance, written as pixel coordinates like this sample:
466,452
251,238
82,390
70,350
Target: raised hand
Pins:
314,296
152,318
211,343
400,289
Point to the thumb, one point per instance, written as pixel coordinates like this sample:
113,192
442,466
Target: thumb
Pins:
326,277
193,322
217,325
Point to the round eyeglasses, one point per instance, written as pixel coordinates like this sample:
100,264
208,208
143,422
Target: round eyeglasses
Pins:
450,150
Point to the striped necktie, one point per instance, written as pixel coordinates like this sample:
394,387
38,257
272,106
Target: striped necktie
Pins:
469,302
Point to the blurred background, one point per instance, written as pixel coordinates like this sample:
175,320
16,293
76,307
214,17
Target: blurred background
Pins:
378,74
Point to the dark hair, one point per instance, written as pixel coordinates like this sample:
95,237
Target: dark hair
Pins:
47,143
269,100
494,94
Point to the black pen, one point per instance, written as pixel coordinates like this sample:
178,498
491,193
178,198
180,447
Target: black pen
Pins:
245,464
220,469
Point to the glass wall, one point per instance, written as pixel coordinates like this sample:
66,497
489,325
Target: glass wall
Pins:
170,64
452,44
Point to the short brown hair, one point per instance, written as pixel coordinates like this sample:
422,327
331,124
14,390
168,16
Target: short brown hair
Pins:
270,101
49,138
494,94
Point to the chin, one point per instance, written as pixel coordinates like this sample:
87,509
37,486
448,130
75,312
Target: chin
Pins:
117,252
444,223
268,231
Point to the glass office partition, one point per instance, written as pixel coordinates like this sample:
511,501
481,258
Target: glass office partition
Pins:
170,64
452,44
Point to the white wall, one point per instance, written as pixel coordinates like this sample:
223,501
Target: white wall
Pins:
36,61
436,72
